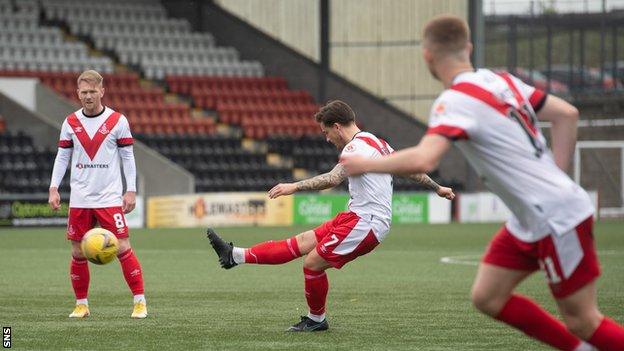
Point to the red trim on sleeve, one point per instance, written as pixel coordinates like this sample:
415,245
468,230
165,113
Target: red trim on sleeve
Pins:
125,141
536,98
65,144
453,133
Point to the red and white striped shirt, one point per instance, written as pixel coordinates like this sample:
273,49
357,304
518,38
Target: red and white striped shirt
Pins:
492,119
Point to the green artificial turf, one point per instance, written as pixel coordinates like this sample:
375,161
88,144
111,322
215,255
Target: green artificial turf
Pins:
399,297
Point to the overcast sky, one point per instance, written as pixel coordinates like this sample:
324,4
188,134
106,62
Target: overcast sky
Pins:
501,7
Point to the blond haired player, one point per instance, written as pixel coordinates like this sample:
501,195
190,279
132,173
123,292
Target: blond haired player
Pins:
350,234
492,118
96,138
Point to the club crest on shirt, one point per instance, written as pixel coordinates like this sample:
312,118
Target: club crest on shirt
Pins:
103,129
77,129
439,109
349,148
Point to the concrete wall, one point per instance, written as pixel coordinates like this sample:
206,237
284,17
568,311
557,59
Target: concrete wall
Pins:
375,44
21,90
293,22
18,117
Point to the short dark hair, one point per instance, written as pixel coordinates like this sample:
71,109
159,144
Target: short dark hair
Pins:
446,34
335,111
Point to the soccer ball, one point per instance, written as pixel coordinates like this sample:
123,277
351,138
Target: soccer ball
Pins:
99,246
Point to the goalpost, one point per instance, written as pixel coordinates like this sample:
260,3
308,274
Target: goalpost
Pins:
607,178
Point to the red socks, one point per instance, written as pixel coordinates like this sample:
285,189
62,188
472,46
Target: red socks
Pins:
316,287
524,314
79,275
273,252
609,336
131,271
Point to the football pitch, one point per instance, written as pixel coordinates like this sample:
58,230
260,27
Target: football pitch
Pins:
399,297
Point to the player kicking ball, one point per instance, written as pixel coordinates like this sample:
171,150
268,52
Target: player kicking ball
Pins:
492,118
350,234
94,139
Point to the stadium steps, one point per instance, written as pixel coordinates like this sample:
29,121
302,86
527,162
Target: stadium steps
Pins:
250,129
256,108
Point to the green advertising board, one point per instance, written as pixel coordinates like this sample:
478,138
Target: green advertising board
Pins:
318,208
410,208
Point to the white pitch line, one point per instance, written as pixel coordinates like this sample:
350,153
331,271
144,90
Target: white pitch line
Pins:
469,260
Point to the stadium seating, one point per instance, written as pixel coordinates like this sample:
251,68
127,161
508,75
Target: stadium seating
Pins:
24,45
141,34
260,106
311,152
146,109
25,167
219,163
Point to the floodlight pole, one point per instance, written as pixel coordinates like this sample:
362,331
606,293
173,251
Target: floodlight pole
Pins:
324,48
477,31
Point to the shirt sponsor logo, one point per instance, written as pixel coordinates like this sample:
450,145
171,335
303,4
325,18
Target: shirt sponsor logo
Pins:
91,165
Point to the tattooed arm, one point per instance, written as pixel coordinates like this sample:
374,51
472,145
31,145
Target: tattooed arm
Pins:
319,182
423,179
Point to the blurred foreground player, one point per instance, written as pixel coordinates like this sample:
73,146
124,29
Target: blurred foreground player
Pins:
492,118
350,234
95,138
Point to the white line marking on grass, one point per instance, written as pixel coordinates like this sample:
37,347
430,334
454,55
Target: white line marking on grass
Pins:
473,260
467,260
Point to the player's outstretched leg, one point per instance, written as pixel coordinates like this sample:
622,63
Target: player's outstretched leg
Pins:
224,250
79,274
268,252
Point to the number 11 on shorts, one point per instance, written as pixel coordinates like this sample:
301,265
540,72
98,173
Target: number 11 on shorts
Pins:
551,272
